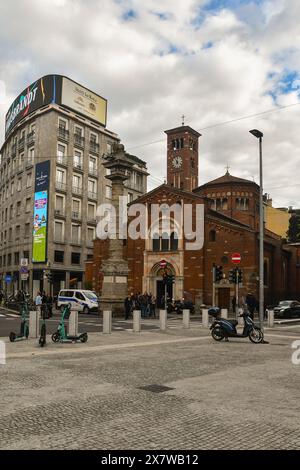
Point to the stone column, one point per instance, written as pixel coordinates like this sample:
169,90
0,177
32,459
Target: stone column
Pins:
115,268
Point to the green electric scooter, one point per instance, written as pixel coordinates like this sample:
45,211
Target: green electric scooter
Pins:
60,336
24,331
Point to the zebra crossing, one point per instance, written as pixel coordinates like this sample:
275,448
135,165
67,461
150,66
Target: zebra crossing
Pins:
8,315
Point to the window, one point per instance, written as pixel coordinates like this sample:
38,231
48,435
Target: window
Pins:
59,231
76,208
61,154
129,197
77,159
9,259
28,180
27,230
30,155
60,176
17,258
59,256
12,187
4,260
90,234
11,212
19,184
59,204
18,212
108,171
62,124
17,232
174,241
78,131
242,203
79,295
212,236
156,242
91,211
77,181
165,241
28,204
32,127
108,192
6,215
26,254
109,147
75,258
10,235
93,138
177,144
75,233
93,165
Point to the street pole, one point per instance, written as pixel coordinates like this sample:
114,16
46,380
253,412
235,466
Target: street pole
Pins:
237,294
214,287
259,135
166,304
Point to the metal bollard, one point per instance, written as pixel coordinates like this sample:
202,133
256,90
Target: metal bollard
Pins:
270,318
136,321
34,323
73,323
205,318
107,322
163,319
186,318
224,313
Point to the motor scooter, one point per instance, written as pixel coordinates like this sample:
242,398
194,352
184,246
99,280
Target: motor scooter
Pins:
224,329
61,336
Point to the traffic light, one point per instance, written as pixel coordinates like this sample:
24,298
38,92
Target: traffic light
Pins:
218,273
232,276
50,277
240,279
170,279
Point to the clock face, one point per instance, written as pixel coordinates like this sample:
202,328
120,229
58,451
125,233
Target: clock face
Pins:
177,162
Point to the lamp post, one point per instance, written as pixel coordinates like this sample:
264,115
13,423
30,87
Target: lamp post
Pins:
259,135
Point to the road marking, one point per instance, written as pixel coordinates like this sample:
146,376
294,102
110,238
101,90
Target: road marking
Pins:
13,315
1,315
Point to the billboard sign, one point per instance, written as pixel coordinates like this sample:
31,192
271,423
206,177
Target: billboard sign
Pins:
60,90
40,212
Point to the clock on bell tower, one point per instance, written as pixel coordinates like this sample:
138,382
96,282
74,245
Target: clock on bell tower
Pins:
182,157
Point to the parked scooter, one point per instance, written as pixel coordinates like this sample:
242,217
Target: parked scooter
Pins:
60,336
223,328
24,330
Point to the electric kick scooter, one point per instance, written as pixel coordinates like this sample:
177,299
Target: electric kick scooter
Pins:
60,336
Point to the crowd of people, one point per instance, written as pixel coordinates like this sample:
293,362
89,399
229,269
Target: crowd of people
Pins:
44,302
146,303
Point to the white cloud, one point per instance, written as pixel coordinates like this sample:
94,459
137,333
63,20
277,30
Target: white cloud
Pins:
148,88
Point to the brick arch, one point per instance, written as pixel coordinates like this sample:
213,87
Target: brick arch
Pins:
171,269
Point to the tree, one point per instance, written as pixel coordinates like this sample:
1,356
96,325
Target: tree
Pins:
294,229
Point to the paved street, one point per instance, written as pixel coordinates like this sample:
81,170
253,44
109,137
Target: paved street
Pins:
233,395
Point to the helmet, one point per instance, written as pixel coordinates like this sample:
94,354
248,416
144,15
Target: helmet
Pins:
214,311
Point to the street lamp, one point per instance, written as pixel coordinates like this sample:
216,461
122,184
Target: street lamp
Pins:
259,136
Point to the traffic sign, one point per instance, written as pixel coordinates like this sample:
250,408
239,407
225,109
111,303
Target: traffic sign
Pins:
24,262
163,263
24,276
236,258
8,278
23,270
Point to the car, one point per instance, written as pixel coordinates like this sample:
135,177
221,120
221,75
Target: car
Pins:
84,301
287,309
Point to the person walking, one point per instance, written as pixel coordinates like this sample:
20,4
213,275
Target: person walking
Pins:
38,303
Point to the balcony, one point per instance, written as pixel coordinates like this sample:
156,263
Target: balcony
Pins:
61,160
77,190
28,163
78,165
21,144
60,186
91,220
92,195
59,213
78,140
76,215
63,134
31,138
94,147
93,171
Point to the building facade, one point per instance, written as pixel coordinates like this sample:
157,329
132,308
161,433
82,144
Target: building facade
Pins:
74,145
231,225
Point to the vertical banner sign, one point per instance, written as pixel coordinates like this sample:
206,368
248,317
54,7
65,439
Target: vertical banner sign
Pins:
40,212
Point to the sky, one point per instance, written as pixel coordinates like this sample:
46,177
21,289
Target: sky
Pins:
213,61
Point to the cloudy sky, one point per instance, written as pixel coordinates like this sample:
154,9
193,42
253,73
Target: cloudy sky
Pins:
212,60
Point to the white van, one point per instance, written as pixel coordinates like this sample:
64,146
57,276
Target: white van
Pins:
84,301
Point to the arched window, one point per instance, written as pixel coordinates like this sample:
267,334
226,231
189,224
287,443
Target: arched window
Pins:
181,143
174,241
156,242
212,236
165,241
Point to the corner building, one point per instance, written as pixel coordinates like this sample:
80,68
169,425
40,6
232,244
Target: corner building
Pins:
55,120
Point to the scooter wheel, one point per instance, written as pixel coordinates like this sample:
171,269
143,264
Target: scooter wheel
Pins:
42,340
217,333
256,335
55,337
12,337
84,338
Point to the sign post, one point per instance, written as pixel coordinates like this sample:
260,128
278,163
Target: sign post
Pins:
236,259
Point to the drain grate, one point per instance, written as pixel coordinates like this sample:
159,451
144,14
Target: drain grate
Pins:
156,388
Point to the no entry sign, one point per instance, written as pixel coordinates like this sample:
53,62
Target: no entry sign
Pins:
163,263
236,258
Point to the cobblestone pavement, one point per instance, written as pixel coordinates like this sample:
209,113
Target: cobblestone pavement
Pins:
233,395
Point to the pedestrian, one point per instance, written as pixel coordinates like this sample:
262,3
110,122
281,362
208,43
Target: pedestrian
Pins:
38,302
127,305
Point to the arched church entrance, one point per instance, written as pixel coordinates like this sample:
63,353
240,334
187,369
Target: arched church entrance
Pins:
158,287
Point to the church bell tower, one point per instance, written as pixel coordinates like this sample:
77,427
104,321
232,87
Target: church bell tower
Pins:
182,157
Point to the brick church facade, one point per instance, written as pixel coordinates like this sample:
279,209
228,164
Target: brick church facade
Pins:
231,224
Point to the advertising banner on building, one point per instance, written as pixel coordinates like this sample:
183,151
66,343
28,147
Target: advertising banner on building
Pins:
40,212
83,101
60,90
